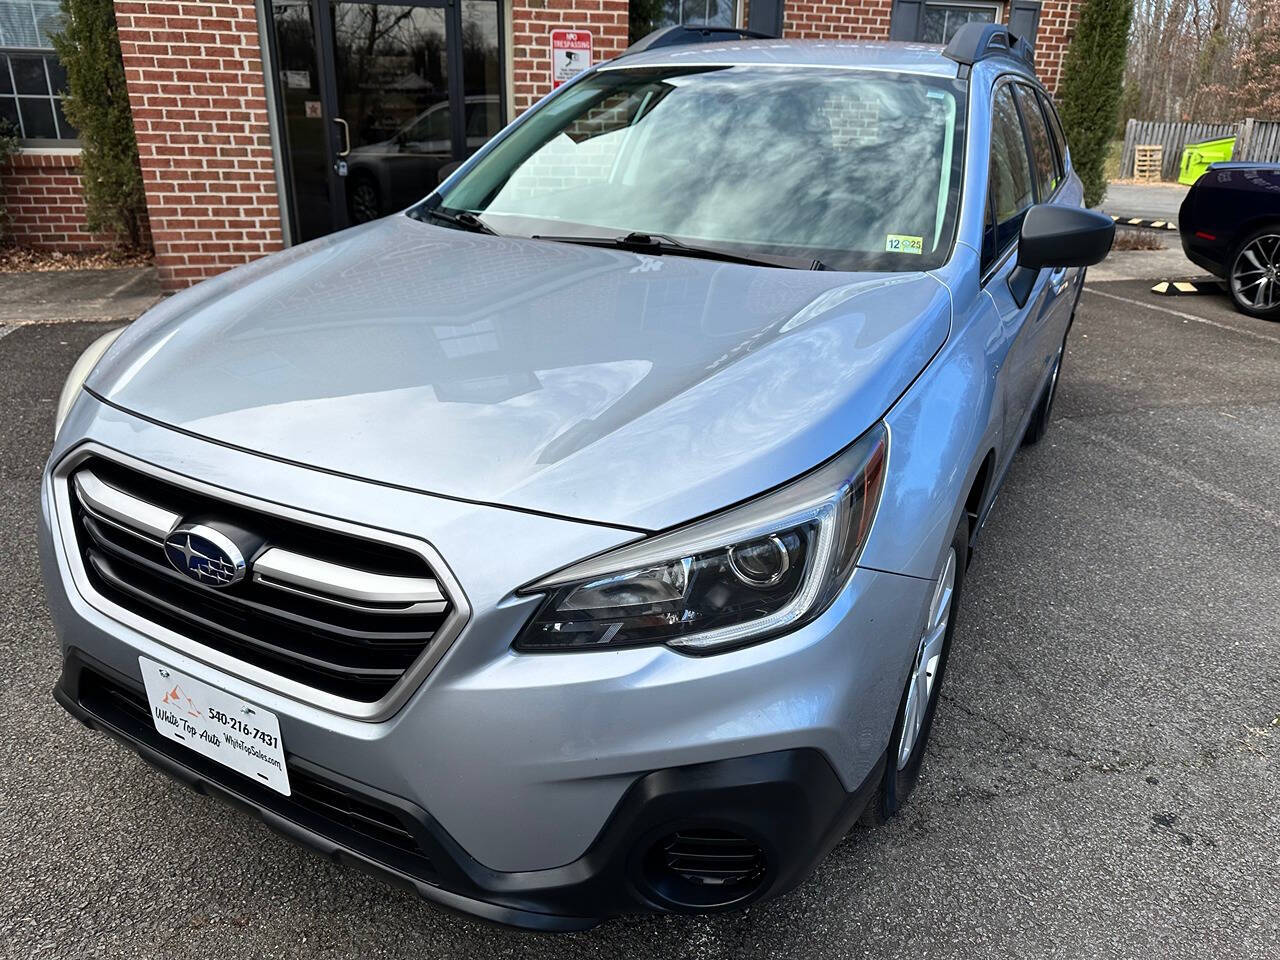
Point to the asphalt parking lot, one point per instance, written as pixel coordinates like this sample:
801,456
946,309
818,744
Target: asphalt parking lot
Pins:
1105,770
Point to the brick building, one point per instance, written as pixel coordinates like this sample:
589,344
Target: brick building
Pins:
264,124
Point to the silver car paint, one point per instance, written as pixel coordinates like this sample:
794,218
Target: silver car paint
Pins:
590,383
522,757
959,411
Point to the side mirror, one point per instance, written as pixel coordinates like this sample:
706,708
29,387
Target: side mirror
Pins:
1054,236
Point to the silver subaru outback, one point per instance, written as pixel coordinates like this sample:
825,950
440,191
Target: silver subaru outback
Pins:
587,538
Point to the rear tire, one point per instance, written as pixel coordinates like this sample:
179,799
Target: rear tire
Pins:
919,702
1254,277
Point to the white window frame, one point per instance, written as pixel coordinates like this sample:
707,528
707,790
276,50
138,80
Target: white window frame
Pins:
996,5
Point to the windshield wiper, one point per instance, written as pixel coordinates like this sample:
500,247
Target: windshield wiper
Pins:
658,243
463,220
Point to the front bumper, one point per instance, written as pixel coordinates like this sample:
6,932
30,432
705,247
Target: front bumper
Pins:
524,768
790,802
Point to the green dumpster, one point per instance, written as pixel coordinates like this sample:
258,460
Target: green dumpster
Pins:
1197,157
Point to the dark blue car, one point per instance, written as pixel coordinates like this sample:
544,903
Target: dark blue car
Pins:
1230,224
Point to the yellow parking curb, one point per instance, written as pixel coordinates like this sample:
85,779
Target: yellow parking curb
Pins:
1139,222
1178,288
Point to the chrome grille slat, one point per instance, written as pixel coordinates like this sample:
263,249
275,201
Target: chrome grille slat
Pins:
116,506
427,607
287,570
343,615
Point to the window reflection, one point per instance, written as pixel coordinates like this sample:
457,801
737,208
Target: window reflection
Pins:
393,79
649,15
858,170
940,21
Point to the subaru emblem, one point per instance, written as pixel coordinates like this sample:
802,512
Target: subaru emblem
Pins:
205,555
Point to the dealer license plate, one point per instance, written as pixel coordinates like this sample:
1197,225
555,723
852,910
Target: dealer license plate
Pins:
234,732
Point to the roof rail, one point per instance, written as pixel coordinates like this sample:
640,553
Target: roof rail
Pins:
978,41
680,34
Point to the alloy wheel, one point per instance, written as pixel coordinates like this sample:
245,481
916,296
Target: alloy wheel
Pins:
1255,276
924,672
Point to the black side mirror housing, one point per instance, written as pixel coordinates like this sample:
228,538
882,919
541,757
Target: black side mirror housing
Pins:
1058,236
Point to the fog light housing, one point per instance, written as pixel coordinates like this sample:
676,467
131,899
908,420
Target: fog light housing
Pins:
701,869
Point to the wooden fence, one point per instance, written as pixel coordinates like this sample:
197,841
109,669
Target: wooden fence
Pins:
1174,137
1255,140
1258,140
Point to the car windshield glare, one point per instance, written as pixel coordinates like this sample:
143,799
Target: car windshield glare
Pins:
859,169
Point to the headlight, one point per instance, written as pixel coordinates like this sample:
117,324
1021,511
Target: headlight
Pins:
80,373
735,578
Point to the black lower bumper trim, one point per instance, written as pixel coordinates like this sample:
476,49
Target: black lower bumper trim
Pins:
790,803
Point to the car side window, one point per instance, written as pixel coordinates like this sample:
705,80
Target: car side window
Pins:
1009,182
1046,163
432,125
1055,127
483,119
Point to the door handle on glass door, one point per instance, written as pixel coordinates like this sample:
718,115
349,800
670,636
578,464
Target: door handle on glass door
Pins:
346,137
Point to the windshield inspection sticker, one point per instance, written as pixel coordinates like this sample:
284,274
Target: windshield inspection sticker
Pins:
901,243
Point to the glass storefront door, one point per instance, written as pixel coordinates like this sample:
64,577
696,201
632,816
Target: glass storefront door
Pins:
374,99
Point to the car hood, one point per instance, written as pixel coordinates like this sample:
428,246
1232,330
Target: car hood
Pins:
590,383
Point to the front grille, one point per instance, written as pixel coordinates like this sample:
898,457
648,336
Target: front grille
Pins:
332,809
338,613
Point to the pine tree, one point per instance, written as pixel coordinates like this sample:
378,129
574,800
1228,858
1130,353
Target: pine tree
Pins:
8,147
97,104
1092,82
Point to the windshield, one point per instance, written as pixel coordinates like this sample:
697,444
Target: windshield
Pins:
857,169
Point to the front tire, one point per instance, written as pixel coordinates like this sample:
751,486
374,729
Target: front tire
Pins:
363,201
1039,424
1254,280
919,703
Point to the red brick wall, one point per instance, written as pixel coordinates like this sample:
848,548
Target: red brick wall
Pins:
45,205
533,21
1057,25
837,19
869,20
195,80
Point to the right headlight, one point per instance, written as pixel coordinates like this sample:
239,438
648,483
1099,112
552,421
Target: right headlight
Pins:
740,576
80,371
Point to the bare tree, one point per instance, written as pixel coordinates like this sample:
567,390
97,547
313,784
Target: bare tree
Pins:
1184,53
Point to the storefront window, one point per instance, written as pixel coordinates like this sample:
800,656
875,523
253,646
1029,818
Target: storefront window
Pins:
650,15
32,82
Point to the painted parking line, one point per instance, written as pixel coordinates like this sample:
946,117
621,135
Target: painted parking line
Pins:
1168,470
6,330
1181,315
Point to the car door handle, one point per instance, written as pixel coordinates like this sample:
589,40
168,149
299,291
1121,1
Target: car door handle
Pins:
1058,280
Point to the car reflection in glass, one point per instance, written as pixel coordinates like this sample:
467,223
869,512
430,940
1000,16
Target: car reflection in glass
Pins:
394,173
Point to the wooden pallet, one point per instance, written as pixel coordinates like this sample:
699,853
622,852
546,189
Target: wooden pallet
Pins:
1147,161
